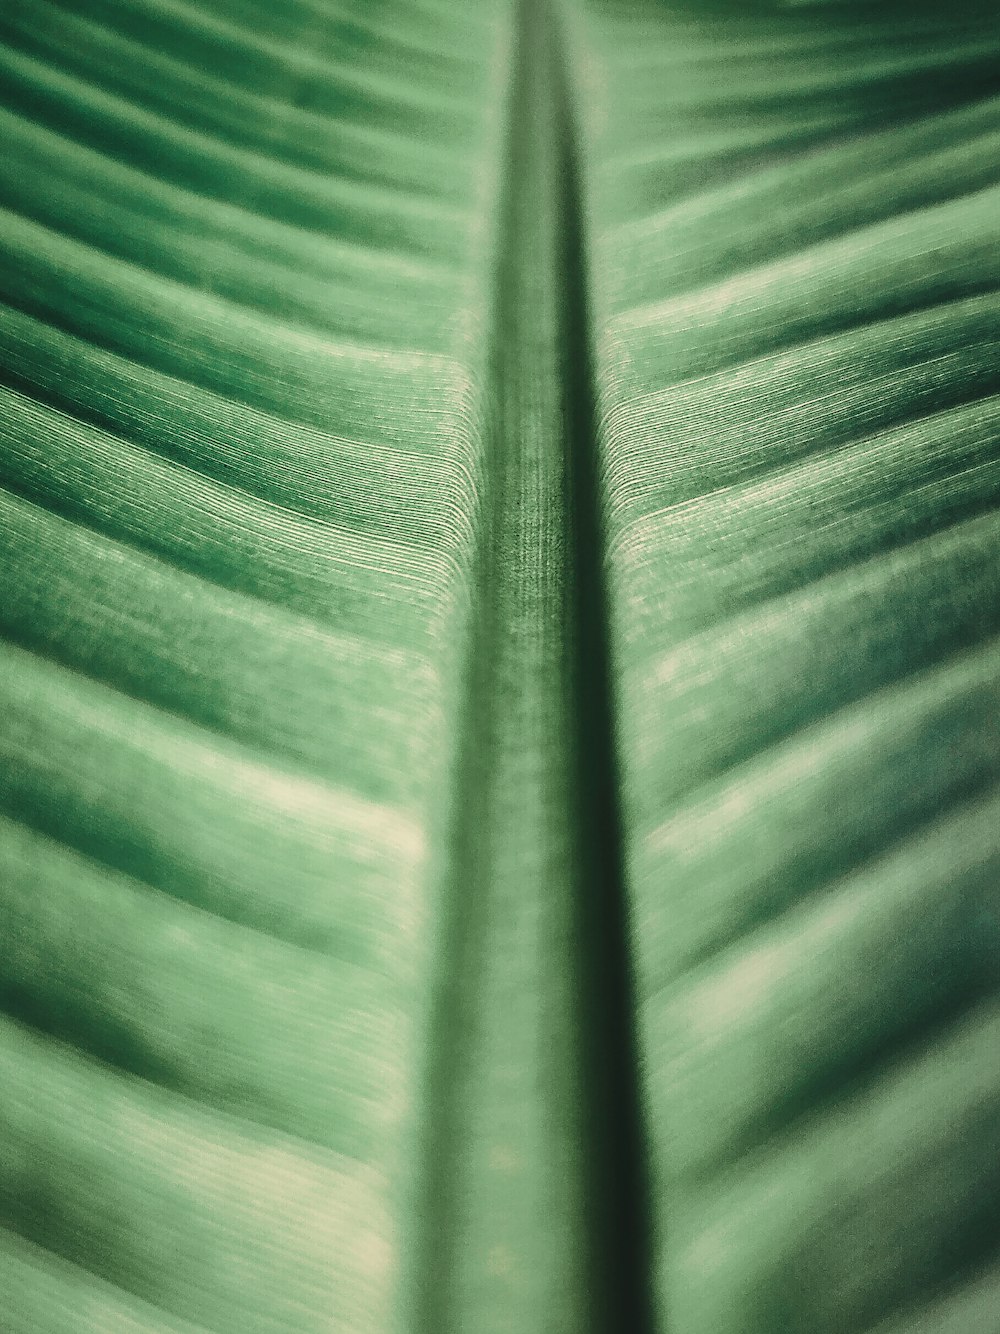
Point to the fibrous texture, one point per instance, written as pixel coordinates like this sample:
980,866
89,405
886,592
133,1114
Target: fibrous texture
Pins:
501,667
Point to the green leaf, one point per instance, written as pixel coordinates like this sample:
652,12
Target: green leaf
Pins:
501,772
794,221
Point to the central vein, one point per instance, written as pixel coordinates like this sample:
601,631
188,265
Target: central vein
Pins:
536,1214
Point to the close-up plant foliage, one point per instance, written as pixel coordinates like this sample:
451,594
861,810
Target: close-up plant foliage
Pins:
500,783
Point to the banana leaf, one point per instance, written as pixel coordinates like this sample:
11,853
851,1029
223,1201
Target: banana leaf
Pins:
500,782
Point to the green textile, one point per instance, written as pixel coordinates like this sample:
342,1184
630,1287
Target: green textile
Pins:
500,667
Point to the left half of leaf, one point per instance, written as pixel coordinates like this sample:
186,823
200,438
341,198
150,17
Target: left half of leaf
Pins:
247,261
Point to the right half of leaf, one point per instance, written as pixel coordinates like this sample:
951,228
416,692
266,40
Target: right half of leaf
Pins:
793,217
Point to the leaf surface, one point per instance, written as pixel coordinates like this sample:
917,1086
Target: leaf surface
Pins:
500,667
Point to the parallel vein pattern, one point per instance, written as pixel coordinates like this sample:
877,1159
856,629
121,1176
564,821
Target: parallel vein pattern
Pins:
500,664
793,220
248,257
